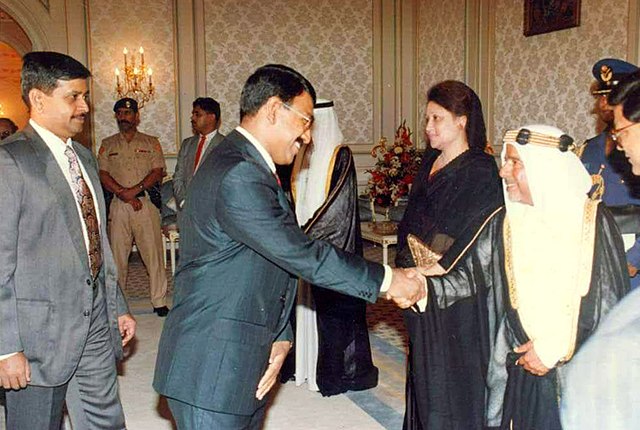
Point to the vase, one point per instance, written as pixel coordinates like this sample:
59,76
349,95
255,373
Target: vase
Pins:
385,226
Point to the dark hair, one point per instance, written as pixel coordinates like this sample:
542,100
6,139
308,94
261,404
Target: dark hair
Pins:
272,80
208,105
43,69
12,125
627,94
461,100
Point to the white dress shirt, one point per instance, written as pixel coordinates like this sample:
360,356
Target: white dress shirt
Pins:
57,147
388,273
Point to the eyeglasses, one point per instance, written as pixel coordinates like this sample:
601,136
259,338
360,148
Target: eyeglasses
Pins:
308,122
615,133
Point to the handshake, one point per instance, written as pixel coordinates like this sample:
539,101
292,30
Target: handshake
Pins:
408,287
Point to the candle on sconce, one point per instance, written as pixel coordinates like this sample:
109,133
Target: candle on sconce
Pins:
141,56
125,51
117,77
149,74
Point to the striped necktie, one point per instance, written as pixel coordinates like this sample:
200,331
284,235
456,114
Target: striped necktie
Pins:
87,207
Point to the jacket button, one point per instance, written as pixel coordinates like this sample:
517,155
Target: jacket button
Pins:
86,313
283,298
88,281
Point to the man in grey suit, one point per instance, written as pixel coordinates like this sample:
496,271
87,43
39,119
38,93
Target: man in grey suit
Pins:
225,340
63,318
205,122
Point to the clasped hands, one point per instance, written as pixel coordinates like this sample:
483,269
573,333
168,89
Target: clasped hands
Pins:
128,195
408,286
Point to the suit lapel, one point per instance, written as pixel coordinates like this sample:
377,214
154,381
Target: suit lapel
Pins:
190,159
61,191
214,142
251,152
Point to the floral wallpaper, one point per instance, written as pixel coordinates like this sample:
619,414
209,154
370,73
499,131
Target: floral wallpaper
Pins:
116,24
440,46
546,78
329,42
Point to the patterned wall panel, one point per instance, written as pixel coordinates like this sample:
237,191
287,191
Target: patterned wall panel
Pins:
330,42
546,78
116,24
440,46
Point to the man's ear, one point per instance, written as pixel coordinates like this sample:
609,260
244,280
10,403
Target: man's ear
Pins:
36,100
271,108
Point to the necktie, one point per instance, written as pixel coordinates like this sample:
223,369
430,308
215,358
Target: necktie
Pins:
199,152
85,200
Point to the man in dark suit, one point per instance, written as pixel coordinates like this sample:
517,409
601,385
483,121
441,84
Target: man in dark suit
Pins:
205,121
227,336
63,318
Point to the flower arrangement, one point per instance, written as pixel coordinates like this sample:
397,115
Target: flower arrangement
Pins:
395,168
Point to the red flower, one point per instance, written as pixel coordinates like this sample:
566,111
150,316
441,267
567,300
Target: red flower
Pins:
400,159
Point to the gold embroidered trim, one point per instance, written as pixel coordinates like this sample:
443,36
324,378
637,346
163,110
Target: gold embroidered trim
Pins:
330,197
422,255
508,263
585,268
327,184
472,241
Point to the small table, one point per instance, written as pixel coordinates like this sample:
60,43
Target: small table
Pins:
383,239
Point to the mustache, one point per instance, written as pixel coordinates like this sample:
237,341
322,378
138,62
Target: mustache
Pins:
124,121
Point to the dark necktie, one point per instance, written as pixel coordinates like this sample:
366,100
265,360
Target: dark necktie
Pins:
199,152
88,209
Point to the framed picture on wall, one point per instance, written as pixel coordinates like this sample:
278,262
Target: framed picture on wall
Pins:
544,16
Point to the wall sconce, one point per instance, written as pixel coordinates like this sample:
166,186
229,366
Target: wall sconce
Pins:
136,80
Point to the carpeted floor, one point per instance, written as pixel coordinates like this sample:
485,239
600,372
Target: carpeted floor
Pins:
291,407
384,404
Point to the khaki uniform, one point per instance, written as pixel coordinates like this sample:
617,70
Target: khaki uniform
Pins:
129,163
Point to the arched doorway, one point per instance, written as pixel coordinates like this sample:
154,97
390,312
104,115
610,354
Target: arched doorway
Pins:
14,42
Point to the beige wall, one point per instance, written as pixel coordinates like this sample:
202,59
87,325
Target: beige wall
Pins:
114,25
330,42
546,78
375,58
441,46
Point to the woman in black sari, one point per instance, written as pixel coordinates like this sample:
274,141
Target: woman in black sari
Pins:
455,190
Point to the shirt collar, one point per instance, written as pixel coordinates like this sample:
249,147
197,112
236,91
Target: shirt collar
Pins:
259,147
210,136
52,141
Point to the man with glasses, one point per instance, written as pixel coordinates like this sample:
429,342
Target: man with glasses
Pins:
7,128
600,157
601,383
225,340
